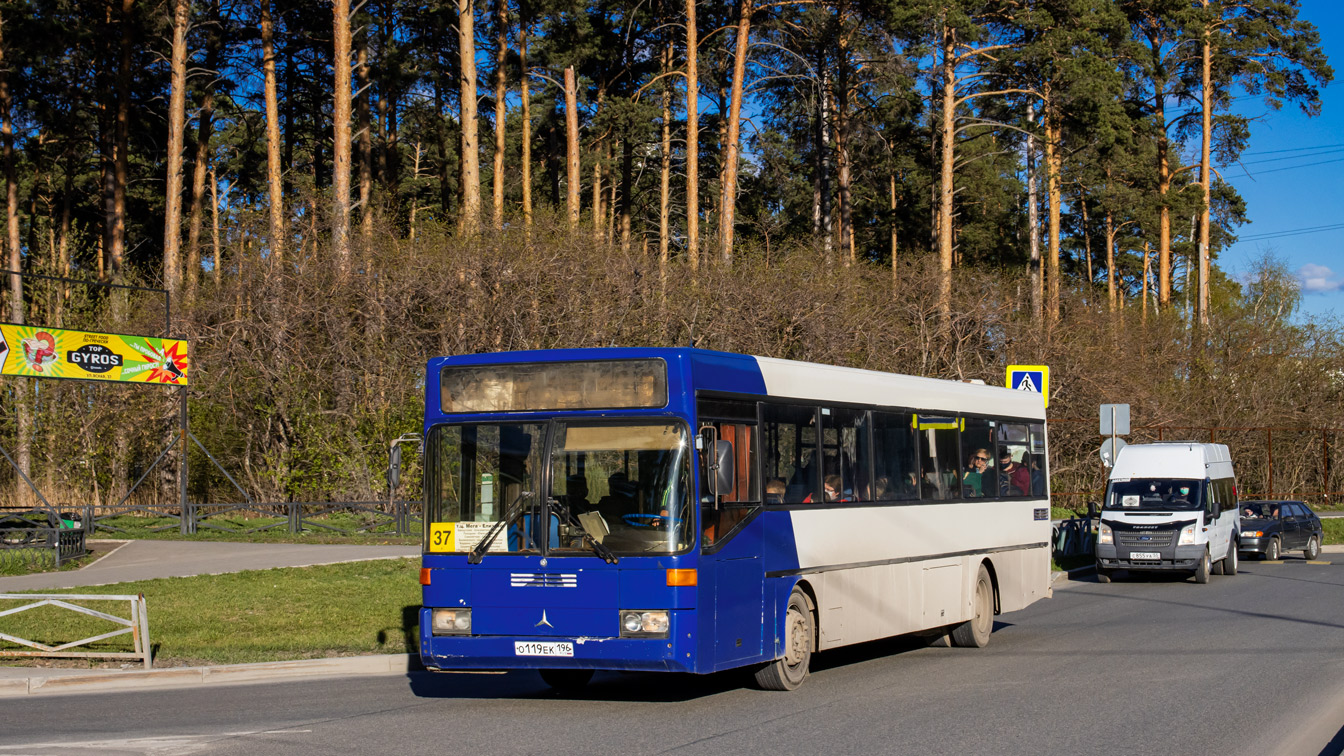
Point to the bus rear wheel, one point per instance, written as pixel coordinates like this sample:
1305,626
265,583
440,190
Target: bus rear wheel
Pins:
799,631
566,680
974,633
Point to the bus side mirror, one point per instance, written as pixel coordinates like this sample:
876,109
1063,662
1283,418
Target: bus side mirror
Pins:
724,474
394,468
1092,509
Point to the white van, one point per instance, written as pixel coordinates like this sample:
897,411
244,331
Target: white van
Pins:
1170,506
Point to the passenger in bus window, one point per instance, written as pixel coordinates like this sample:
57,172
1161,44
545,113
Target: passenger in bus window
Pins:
973,480
1014,479
831,490
774,491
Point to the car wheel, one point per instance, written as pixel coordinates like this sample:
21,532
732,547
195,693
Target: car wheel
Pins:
1202,571
1272,550
566,680
1230,561
1313,548
974,633
1103,575
789,672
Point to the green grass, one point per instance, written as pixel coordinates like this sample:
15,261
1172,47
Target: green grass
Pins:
1334,529
10,567
260,615
248,529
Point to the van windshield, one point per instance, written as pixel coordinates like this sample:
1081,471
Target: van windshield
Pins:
1151,493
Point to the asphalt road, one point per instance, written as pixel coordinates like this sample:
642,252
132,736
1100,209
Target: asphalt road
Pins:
1249,664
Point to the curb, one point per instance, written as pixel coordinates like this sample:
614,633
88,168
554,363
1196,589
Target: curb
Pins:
98,681
1068,575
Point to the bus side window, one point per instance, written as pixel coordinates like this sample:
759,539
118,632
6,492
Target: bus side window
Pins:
790,438
895,458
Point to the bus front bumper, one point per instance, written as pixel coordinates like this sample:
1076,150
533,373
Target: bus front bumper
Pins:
496,652
1111,557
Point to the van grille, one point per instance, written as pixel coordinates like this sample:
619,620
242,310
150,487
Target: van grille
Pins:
1155,539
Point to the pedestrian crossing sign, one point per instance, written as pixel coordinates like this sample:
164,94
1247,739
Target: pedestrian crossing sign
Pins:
1031,378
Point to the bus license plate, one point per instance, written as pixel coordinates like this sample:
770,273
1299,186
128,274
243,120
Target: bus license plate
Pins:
1148,555
532,648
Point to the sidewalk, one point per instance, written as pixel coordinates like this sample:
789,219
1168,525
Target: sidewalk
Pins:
27,681
126,561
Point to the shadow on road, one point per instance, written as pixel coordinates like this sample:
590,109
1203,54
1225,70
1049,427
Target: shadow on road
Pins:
645,687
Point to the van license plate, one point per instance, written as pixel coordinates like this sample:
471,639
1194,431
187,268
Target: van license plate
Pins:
1146,555
531,648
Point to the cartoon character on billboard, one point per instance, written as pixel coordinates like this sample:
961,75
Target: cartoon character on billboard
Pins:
39,350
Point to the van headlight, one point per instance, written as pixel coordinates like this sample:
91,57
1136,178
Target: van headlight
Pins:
1187,536
451,622
1104,534
640,623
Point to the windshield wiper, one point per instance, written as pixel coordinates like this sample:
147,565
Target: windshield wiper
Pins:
562,511
510,512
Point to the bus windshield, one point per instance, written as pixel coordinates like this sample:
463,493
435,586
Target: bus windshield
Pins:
1151,494
625,486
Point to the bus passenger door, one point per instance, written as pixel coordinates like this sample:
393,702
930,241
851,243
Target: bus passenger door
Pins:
731,541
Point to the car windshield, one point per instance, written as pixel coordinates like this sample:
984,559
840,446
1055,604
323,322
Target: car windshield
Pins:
625,486
1259,509
1153,494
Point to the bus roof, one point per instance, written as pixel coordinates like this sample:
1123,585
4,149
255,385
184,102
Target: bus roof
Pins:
708,370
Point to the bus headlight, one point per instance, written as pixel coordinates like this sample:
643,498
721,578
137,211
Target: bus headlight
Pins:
1187,536
452,622
1104,534
638,623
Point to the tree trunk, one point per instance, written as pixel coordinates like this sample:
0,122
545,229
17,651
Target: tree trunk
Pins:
842,145
22,407
201,160
177,122
571,150
275,187
1110,258
363,118
729,183
948,136
1144,316
1163,187
121,168
1053,161
1087,244
665,173
1206,108
471,156
1034,222
692,139
340,182
824,153
895,280
501,91
214,228
526,104
627,191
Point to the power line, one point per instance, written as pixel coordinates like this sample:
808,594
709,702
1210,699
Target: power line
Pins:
1289,157
1294,167
1293,149
1291,232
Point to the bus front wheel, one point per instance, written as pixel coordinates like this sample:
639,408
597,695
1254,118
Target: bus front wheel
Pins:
974,633
799,631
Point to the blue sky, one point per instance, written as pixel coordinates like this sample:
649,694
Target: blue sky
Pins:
1290,188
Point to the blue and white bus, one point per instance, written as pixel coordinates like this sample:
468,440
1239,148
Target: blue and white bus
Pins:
694,511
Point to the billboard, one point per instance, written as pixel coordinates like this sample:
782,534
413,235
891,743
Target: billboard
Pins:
38,352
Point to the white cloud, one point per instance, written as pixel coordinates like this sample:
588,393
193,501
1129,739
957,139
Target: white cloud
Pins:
1319,279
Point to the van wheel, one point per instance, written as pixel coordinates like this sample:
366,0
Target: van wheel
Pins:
1217,568
1202,571
1272,550
799,631
566,680
974,633
1230,561
1313,548
1103,575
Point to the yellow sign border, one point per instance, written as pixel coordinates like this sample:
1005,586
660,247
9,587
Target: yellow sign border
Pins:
1044,370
